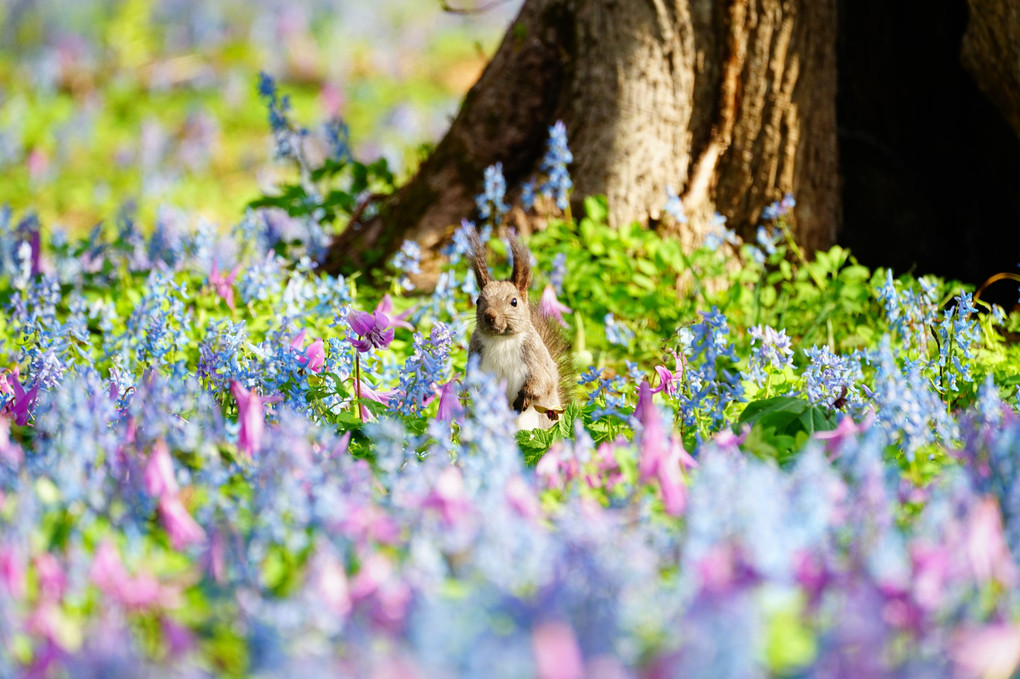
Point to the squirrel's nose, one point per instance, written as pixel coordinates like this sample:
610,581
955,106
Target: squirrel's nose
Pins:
490,316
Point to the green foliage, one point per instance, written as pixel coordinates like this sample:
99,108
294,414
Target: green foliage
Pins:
778,427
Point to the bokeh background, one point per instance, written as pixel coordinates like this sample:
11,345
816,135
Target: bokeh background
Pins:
147,104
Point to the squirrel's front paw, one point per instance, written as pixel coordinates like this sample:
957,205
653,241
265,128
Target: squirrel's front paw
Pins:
523,401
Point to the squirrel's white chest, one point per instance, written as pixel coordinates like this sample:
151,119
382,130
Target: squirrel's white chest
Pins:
503,356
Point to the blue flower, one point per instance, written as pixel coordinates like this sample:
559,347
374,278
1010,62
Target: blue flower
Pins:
407,261
674,208
557,183
423,371
491,204
617,333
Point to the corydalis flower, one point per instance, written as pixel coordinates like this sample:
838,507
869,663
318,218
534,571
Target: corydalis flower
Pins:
490,202
552,307
773,351
674,208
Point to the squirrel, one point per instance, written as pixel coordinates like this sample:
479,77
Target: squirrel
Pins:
518,343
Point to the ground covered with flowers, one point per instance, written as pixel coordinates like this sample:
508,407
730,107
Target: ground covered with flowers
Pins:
216,461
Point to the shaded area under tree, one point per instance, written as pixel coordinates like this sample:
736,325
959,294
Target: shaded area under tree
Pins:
930,167
911,165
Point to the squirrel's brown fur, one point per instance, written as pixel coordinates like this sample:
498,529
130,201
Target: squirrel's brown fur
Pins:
517,343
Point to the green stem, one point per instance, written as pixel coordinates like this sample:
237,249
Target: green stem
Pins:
357,384
800,256
694,274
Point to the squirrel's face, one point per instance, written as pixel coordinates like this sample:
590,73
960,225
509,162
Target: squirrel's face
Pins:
502,309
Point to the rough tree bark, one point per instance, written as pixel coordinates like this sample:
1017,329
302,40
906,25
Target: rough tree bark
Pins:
733,104
991,53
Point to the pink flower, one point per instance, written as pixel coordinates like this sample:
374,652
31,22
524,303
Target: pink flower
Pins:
110,576
159,471
11,452
549,305
522,499
385,306
251,418
182,529
987,550
331,583
669,380
449,403
313,357
369,524
660,456
449,497
12,571
844,430
373,395
557,655
992,651
52,580
21,402
555,468
224,285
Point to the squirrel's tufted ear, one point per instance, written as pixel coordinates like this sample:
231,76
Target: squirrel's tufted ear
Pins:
478,264
521,276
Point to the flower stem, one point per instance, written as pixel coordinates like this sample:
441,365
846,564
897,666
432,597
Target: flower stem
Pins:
357,384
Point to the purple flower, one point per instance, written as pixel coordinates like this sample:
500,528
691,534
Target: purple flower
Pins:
374,330
18,401
552,307
449,403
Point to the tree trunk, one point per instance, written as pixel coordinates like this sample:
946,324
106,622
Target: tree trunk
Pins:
991,53
732,104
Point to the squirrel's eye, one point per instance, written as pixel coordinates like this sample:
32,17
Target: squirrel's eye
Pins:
513,302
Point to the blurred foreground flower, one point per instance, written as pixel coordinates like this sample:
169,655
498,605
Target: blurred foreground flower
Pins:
251,418
182,529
